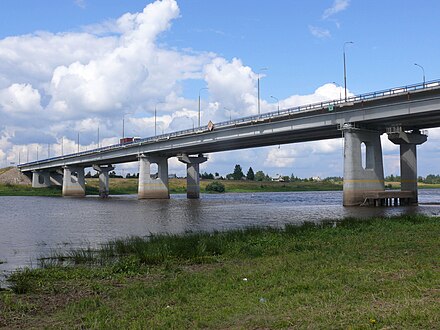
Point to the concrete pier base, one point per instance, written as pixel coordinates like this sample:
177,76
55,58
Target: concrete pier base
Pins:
103,179
361,175
41,179
192,174
408,142
153,188
74,182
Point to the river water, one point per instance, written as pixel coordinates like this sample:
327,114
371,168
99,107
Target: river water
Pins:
31,227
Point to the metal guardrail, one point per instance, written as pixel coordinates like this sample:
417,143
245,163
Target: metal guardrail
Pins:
251,119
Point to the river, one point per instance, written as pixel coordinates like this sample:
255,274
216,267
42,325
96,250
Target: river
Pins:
31,227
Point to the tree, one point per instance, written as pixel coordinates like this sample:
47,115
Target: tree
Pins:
250,174
238,173
215,186
259,176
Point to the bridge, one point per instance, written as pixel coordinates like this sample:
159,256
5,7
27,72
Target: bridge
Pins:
402,113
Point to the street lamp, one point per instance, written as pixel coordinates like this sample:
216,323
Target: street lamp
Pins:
78,142
423,70
98,136
199,101
123,123
258,87
230,113
192,119
276,99
345,69
339,87
155,116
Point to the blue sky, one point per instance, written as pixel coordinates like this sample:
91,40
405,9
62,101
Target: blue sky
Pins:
61,58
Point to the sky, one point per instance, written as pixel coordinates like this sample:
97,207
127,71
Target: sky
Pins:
72,67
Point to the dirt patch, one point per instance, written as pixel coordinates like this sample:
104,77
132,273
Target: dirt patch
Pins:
14,176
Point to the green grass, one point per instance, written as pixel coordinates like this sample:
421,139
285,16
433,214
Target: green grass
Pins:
120,186
25,190
376,273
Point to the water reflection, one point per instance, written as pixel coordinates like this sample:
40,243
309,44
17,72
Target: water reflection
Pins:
35,226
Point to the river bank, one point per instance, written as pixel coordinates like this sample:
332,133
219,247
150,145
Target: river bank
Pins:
119,186
380,272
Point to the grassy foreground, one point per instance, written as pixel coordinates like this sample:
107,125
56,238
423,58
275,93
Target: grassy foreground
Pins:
377,273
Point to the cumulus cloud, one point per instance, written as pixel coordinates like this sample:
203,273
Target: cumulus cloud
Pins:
319,32
55,88
337,6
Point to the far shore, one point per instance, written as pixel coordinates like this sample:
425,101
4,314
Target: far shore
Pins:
122,186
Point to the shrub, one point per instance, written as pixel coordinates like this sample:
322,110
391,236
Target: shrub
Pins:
215,186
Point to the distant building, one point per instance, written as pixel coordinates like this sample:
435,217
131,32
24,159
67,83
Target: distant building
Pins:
277,178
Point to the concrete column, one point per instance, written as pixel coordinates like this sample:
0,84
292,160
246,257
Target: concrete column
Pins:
408,159
153,188
192,174
74,182
40,179
361,176
103,179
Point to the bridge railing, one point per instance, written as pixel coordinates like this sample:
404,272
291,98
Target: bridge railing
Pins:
252,119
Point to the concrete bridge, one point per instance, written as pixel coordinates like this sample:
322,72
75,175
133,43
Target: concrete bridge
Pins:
402,113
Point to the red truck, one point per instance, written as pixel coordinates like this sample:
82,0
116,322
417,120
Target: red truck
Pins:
128,140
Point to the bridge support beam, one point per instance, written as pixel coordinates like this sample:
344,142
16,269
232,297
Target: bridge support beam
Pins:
103,179
361,176
56,178
192,174
74,182
153,188
408,159
41,179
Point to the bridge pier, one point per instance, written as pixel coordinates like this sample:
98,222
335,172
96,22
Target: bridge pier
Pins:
192,174
153,188
361,177
74,182
103,179
408,159
41,179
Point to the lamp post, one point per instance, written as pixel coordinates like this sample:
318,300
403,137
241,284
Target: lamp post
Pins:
230,113
192,119
423,70
62,146
276,99
78,141
199,101
98,136
258,87
123,123
339,86
155,117
345,69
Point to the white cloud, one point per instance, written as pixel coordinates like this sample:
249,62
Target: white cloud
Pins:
319,32
80,3
338,6
54,86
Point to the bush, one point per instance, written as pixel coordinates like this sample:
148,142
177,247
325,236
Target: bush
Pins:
215,186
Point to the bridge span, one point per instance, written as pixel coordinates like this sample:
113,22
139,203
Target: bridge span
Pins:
402,113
